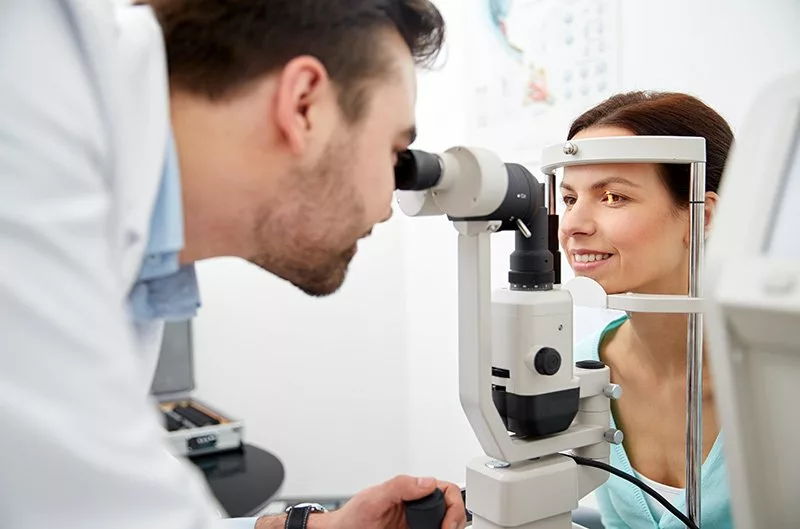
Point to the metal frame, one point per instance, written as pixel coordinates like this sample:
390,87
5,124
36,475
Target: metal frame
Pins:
661,149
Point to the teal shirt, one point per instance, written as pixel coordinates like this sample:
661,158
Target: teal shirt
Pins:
623,505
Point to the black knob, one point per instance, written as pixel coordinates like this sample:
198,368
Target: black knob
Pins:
427,512
547,361
590,364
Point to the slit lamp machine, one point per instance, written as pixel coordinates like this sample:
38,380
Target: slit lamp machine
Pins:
542,420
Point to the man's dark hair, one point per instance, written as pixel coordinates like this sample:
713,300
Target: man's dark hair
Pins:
667,114
216,48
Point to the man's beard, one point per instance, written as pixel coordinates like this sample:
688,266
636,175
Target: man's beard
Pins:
304,239
318,281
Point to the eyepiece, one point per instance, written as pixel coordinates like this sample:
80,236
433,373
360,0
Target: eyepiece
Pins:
417,171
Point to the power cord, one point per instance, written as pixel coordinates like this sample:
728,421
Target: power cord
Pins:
627,477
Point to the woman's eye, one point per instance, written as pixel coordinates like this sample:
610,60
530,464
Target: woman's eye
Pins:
612,199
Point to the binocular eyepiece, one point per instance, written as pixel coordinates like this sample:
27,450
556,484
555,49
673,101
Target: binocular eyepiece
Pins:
417,170
472,184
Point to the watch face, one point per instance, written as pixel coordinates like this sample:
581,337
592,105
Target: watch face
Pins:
316,507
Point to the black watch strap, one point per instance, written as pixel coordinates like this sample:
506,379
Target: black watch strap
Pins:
297,517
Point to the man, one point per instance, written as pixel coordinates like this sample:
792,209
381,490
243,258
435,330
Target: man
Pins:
135,142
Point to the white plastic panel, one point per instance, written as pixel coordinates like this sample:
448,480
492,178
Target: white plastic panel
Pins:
624,149
659,303
586,292
784,241
753,311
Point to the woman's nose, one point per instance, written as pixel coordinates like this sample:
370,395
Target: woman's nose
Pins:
577,220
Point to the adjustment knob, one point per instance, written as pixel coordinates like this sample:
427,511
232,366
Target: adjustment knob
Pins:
590,364
427,512
613,391
613,436
547,361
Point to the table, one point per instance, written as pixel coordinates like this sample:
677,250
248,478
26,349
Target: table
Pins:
243,481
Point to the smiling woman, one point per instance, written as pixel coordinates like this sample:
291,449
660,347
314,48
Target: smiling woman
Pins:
624,215
627,227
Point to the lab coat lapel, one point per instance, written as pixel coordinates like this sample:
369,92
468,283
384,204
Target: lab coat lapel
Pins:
144,123
129,68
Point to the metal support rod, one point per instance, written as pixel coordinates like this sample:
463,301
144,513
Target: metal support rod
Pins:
694,344
552,227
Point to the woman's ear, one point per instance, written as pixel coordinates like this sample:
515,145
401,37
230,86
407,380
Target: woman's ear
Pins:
711,209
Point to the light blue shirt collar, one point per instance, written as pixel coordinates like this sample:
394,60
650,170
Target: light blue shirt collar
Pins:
165,290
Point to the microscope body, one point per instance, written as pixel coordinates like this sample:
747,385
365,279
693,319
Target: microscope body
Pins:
545,395
546,405
534,388
525,399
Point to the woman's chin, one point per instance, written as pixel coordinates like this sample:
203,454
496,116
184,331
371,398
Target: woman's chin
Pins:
609,286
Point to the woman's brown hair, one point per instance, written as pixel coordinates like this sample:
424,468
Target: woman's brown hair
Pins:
667,114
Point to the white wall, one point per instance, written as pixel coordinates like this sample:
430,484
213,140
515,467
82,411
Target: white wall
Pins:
439,436
285,362
321,383
721,51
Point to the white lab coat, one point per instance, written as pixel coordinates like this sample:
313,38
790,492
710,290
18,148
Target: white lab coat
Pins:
84,114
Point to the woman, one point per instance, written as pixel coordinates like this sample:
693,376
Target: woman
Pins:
627,227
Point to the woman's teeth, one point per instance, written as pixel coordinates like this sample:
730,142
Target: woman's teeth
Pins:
591,258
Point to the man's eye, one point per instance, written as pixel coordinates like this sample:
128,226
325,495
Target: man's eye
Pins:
568,200
396,155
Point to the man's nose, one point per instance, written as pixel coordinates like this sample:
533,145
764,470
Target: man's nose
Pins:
577,220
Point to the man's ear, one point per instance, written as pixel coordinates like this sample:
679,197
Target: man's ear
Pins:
303,85
711,210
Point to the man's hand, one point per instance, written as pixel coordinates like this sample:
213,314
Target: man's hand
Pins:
381,506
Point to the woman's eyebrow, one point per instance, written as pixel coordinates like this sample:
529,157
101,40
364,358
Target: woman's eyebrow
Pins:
604,183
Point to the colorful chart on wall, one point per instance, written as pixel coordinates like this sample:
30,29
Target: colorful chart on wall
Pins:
535,65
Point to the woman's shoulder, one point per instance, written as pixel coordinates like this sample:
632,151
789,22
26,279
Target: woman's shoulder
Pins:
589,347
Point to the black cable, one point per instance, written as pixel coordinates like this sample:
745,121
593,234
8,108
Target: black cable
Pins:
627,477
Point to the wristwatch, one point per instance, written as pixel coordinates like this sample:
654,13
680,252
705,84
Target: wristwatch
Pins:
297,515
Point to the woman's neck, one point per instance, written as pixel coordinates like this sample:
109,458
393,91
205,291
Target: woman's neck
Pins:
656,344
658,341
